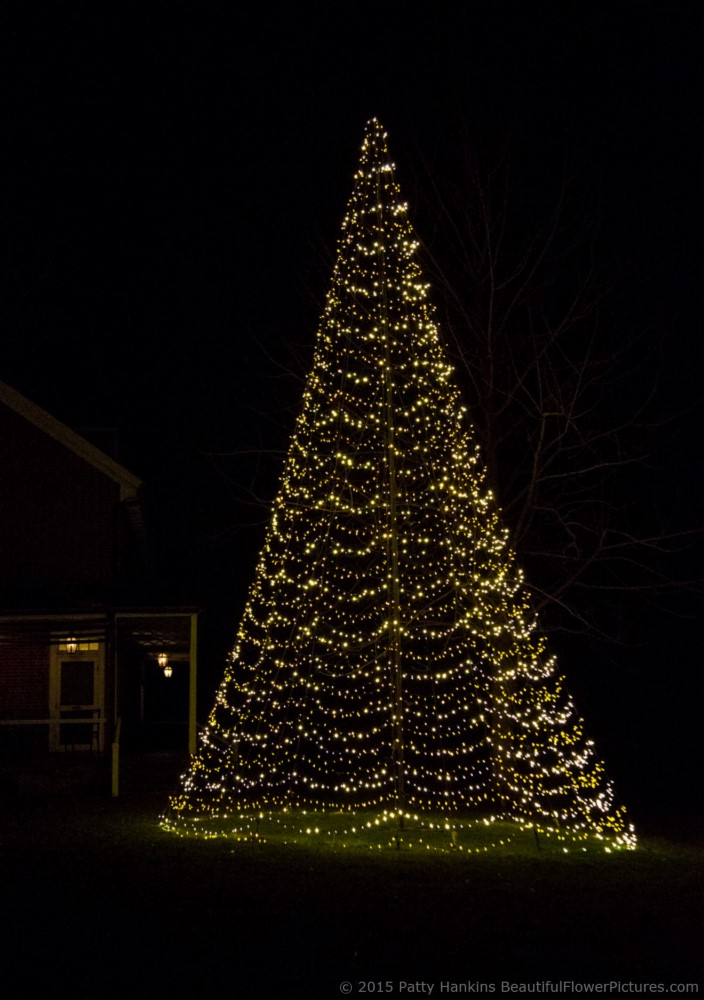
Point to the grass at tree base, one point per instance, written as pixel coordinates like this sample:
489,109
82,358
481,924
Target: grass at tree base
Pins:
385,831
183,917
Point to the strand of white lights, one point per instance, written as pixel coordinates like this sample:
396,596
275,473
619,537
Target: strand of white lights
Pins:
306,716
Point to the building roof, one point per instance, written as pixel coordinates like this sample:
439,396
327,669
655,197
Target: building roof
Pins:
129,483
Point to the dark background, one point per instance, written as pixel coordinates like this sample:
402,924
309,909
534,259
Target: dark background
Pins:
172,182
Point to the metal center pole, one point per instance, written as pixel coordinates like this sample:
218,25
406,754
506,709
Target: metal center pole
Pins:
393,572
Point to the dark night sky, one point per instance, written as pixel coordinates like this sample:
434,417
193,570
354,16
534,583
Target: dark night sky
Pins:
172,185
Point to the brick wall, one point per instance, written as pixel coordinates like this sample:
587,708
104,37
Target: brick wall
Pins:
24,681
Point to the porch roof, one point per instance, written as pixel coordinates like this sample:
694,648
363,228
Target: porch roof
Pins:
153,629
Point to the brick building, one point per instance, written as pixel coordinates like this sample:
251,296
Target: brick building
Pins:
91,667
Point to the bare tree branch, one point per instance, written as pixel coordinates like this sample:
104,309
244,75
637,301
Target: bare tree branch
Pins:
565,404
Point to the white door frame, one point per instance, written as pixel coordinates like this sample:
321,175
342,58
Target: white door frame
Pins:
93,651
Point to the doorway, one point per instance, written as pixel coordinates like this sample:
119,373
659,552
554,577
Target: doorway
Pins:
77,697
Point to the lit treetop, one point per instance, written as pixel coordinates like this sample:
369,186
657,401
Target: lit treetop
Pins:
387,658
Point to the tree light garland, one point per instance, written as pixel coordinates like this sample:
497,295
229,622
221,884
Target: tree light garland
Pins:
388,667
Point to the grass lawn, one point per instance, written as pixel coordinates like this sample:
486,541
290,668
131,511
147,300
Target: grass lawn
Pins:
102,903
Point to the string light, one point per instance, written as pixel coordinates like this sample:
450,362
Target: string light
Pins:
388,664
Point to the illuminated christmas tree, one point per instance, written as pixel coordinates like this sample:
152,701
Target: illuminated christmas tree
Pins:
388,663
